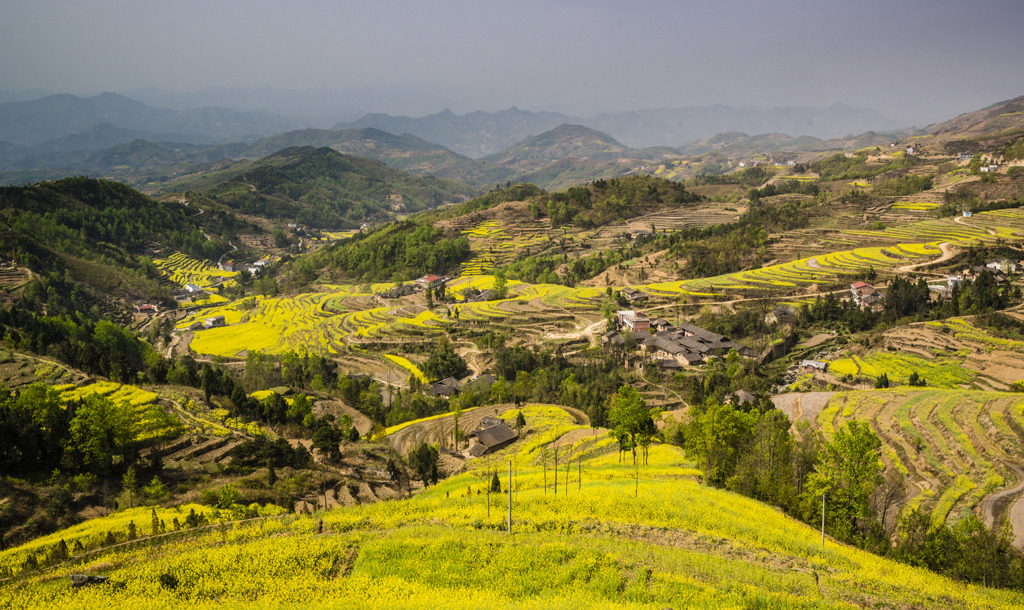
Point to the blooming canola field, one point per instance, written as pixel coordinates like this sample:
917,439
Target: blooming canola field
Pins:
606,539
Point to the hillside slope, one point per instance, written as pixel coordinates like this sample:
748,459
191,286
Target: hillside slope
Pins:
604,539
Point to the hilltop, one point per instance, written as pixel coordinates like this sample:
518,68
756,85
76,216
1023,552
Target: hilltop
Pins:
323,188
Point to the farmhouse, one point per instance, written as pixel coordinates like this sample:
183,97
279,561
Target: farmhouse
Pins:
631,320
428,281
661,325
447,387
484,295
813,366
634,296
145,308
214,322
492,435
192,288
228,265
612,337
398,292
964,156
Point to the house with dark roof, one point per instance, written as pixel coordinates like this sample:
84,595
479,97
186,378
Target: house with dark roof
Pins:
741,397
403,290
481,383
634,296
492,435
661,325
483,295
447,387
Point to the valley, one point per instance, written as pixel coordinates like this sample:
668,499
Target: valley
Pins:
309,372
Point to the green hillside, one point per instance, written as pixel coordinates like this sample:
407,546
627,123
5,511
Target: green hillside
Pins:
322,188
96,234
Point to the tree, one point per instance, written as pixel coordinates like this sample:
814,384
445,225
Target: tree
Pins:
155,490
764,470
444,362
714,438
495,483
271,474
628,415
520,422
500,289
130,486
227,496
423,460
848,473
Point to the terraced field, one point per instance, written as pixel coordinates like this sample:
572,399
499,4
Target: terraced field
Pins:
916,242
332,322
182,269
955,446
494,248
952,353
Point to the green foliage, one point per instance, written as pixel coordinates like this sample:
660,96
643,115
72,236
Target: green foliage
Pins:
423,461
848,473
714,438
607,201
629,416
721,249
444,362
401,251
904,185
321,187
841,167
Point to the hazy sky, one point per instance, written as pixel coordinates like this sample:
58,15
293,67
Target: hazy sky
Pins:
915,60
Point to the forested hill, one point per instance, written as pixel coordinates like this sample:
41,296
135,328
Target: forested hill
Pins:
320,187
98,231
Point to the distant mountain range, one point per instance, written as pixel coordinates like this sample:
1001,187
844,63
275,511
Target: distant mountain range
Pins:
111,135
57,117
479,134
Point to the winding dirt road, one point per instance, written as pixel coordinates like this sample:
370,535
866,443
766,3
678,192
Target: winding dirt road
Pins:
994,504
947,253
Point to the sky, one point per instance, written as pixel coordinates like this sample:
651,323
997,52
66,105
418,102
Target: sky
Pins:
914,60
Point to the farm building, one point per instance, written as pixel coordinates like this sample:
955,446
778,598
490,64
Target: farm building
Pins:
403,290
661,325
634,296
813,366
429,281
493,434
213,322
447,387
631,320
192,288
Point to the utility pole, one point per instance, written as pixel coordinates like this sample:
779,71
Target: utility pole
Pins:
510,497
823,522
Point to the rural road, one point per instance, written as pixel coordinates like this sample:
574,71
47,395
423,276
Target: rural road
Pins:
590,332
994,503
947,253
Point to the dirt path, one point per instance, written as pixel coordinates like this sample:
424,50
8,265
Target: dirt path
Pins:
804,406
947,253
994,504
962,221
589,332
